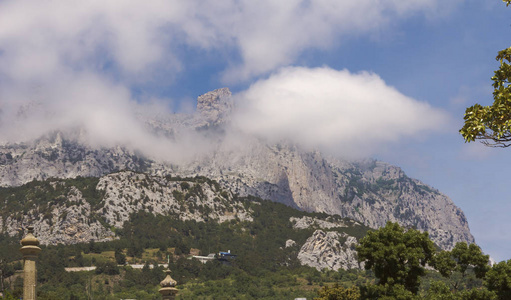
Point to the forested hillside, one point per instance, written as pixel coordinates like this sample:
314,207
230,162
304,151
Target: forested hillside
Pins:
267,265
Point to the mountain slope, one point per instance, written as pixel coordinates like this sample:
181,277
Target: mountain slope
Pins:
118,205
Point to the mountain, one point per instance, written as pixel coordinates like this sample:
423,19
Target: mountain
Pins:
367,191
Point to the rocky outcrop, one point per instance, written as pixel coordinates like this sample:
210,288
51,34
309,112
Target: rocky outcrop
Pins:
71,218
128,192
329,250
215,107
53,156
306,222
69,221
290,243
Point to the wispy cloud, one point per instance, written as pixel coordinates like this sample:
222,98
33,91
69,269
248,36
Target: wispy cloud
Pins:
39,38
80,60
338,111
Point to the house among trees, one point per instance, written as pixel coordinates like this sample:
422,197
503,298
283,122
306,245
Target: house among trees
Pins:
205,259
226,257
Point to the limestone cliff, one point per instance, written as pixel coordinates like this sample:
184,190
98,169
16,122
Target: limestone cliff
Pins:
53,156
370,192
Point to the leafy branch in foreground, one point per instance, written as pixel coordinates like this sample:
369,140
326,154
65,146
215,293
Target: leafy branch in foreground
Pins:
492,124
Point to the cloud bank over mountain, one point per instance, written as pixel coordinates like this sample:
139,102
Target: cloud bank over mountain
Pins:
335,111
79,62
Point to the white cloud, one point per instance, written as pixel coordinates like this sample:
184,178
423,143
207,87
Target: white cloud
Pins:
39,38
79,60
97,112
337,111
270,34
136,37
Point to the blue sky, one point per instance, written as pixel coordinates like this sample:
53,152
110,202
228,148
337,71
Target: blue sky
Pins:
422,62
451,66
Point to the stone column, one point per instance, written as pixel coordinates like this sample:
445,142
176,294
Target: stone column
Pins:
168,290
30,251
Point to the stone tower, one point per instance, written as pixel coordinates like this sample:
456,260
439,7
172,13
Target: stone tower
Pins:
30,251
168,289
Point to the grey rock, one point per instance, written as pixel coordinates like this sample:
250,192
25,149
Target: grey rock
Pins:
215,107
128,192
370,192
290,243
329,250
309,222
52,156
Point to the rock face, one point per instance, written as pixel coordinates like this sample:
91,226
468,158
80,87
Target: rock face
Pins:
308,222
329,250
73,218
215,107
370,192
290,243
65,222
128,192
54,157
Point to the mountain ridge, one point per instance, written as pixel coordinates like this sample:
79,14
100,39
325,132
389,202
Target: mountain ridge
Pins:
367,191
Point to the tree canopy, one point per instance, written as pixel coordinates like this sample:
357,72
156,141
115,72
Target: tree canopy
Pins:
498,279
462,266
397,256
461,258
492,124
337,292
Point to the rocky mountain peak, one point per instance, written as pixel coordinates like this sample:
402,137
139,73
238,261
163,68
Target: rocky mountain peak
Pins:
215,106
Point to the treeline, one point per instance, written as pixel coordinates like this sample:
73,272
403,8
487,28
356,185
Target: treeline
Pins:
399,257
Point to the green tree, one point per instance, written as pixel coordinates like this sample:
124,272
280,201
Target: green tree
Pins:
441,291
492,124
120,258
387,292
444,263
107,267
470,256
337,292
498,279
93,247
477,294
8,296
463,260
397,256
